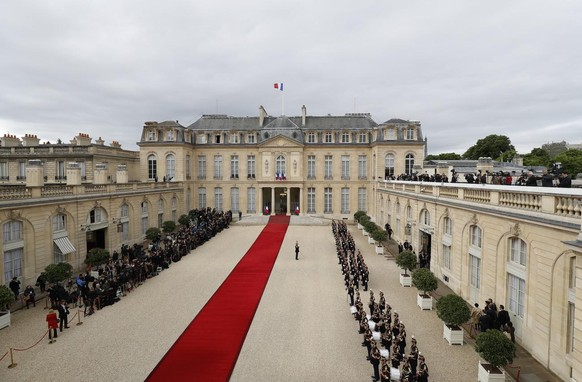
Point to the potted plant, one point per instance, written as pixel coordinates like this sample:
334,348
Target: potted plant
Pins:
370,228
168,226
424,280
379,236
55,273
6,298
496,349
407,261
454,312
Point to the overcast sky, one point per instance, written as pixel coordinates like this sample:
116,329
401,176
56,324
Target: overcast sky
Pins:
465,69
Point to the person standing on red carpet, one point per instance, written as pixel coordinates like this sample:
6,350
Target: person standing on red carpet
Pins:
296,250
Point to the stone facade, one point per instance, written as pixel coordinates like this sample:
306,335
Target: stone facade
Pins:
507,243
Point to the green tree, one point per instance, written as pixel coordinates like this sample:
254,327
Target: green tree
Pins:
443,156
495,347
492,146
453,310
153,233
168,226
184,220
537,157
56,273
571,161
97,256
406,260
555,148
423,279
6,297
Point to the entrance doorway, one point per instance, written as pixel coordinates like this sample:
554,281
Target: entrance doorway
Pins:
95,239
424,254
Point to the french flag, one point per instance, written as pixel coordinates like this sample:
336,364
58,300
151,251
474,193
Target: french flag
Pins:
278,86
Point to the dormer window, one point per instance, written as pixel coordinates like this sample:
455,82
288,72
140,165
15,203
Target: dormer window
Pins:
390,134
151,135
345,137
363,137
410,133
202,139
217,138
170,135
234,138
327,137
251,138
311,137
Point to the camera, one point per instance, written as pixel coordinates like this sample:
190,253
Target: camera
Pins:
556,168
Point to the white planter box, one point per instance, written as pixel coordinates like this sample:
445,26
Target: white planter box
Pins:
360,226
405,280
380,250
425,303
455,337
485,376
364,232
5,319
371,240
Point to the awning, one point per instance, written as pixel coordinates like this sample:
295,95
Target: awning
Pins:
65,245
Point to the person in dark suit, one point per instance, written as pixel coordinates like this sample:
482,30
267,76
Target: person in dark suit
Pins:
15,287
296,250
502,318
564,180
63,315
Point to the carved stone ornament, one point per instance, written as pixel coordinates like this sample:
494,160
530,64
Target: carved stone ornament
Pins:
97,204
474,219
515,230
14,215
446,213
59,210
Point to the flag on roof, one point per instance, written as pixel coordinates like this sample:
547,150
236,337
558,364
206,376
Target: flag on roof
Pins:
278,86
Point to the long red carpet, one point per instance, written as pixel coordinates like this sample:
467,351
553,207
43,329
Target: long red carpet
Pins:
210,345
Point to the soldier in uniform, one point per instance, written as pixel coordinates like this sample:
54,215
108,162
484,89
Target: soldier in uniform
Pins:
375,361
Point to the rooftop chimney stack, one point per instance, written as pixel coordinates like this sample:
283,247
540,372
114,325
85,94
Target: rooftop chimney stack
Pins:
30,140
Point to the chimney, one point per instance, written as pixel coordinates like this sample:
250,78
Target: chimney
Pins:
303,115
9,140
115,144
99,141
262,115
83,139
30,140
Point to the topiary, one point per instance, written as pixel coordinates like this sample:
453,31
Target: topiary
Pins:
453,310
184,220
153,233
168,226
97,256
379,235
423,279
58,272
6,297
495,348
406,260
370,227
358,215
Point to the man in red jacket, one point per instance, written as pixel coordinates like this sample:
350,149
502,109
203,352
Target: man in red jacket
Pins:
53,323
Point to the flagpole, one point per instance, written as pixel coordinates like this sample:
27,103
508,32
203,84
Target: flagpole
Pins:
282,103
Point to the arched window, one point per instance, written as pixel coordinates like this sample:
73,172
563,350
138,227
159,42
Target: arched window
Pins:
389,165
425,217
152,167
447,226
517,251
476,236
170,166
59,223
97,215
124,222
409,164
280,165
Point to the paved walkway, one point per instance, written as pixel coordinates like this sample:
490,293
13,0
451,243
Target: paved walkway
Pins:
302,330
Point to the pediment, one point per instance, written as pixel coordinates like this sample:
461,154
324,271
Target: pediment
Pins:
280,141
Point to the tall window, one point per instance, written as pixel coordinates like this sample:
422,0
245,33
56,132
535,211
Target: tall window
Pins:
12,231
362,199
59,223
447,226
516,273
447,256
517,251
389,165
4,171
174,209
151,135
345,200
327,201
397,213
152,167
425,217
234,199
311,200
345,137
475,269
328,167
218,198
22,170
362,167
409,164
60,170
170,166
234,167
345,167
201,166
280,165
188,200
188,175
13,262
251,167
251,200
144,217
160,212
218,167
311,167
475,236
516,295
327,138
97,215
311,137
124,219
201,198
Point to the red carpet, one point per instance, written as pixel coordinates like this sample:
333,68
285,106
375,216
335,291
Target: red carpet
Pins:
209,347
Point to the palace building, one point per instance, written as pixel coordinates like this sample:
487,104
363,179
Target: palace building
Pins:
516,245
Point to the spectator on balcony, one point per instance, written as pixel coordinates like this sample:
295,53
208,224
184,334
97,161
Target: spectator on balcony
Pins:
564,180
547,180
531,180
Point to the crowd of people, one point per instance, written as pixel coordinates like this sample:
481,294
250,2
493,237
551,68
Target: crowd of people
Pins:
490,317
383,332
105,285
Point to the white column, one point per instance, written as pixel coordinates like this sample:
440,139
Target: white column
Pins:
289,201
272,210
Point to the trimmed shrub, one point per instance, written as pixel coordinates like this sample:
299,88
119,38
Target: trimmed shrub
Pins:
495,348
406,260
453,310
423,279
